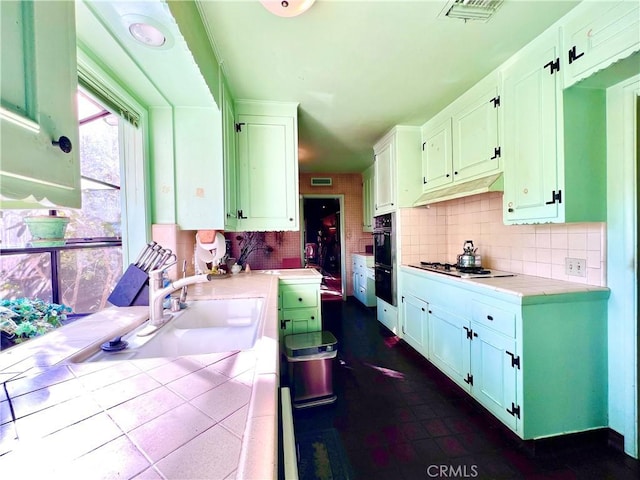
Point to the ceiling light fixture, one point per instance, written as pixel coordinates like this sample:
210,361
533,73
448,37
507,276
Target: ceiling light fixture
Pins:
147,34
287,8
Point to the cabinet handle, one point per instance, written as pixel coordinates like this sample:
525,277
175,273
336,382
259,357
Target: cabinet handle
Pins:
424,143
424,180
63,143
573,55
510,210
555,197
241,215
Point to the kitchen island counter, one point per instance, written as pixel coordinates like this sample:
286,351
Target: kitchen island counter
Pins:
199,416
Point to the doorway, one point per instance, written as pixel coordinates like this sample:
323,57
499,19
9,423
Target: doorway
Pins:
322,241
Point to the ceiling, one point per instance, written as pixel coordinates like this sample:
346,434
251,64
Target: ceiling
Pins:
357,68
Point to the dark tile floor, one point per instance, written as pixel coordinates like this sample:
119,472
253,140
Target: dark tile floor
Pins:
399,418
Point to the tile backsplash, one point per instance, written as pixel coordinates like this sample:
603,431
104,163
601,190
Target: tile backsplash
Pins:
438,232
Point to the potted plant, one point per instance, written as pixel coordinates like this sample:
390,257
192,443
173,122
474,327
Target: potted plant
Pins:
24,318
47,230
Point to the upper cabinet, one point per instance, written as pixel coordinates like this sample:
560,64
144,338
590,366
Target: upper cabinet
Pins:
396,159
598,34
462,144
38,117
267,168
554,144
368,201
230,160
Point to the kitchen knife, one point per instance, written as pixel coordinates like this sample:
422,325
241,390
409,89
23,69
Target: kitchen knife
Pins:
149,261
161,260
144,253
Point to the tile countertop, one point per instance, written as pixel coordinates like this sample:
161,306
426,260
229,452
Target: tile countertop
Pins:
521,289
201,416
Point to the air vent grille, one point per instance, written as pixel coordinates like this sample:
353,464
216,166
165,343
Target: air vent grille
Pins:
321,182
465,10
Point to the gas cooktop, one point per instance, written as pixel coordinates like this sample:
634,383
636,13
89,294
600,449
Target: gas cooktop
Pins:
461,272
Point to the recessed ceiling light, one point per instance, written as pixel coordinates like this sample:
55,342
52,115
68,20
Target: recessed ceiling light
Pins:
287,8
147,34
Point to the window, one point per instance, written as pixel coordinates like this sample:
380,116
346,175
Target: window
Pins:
83,272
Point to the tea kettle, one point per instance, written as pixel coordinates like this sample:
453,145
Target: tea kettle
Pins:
469,258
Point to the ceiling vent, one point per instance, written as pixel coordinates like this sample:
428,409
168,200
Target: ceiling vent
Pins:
321,182
465,10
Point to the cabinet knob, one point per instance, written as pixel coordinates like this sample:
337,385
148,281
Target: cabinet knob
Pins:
291,219
510,210
63,143
448,175
489,317
313,317
455,173
299,299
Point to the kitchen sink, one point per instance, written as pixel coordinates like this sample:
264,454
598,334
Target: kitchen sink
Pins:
205,326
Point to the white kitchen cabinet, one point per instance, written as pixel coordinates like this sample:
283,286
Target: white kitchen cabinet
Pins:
363,279
396,161
299,307
39,83
437,153
554,145
267,140
387,315
415,326
230,160
520,357
368,200
598,34
462,142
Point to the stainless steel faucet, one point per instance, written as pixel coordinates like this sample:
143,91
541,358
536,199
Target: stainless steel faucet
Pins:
157,294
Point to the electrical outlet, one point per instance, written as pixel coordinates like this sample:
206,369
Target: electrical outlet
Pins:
576,267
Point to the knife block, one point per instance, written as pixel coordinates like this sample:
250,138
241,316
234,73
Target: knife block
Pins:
132,289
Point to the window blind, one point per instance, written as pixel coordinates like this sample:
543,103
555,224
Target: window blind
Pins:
107,96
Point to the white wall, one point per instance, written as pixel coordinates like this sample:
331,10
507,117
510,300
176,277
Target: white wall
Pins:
622,218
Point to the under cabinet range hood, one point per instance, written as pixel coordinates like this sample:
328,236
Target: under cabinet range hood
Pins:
491,183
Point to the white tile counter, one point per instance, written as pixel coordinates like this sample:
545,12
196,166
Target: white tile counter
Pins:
522,289
202,416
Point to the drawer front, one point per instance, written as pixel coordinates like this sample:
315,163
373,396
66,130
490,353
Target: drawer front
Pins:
502,321
300,296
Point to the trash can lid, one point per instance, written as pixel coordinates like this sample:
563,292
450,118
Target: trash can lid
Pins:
310,340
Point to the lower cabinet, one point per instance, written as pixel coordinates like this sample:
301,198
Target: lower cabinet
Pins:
299,307
414,325
387,315
364,288
537,363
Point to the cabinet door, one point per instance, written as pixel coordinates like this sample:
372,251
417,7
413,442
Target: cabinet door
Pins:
494,374
387,315
303,320
598,35
530,124
39,83
384,179
268,173
476,150
415,323
449,345
230,159
300,296
436,155
367,199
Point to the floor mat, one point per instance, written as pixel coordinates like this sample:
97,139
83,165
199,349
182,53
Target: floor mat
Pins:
322,456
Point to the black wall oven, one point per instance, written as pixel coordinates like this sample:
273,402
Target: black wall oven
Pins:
384,252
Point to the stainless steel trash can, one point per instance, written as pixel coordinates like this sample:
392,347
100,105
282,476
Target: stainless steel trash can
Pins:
310,358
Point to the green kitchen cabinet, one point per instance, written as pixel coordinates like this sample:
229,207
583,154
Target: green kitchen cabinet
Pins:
230,160
396,161
538,363
415,324
368,200
38,117
299,307
267,140
597,35
554,141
